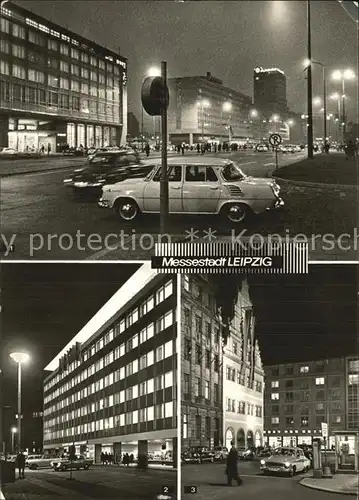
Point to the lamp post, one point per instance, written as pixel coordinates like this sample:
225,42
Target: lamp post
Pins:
338,75
309,86
13,432
308,62
19,358
203,103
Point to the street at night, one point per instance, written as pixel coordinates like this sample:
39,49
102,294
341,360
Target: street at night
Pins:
211,484
38,204
99,482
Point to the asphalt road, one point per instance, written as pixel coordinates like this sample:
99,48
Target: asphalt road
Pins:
99,482
211,484
43,220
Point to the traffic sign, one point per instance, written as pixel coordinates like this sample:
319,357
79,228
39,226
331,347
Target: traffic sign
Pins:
154,95
324,429
275,139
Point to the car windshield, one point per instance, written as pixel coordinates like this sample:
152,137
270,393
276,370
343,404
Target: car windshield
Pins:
284,451
232,172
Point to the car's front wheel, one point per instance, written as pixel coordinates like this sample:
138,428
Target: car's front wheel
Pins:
236,213
291,472
33,467
127,209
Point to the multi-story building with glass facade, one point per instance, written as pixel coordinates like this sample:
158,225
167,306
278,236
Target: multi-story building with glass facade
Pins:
201,109
56,87
113,388
300,396
202,358
243,377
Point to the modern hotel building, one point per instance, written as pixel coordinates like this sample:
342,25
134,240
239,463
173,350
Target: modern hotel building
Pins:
113,388
56,87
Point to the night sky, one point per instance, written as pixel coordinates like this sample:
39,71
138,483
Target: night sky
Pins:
227,38
43,307
307,317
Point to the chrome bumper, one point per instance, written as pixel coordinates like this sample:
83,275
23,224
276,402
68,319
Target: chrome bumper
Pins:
279,203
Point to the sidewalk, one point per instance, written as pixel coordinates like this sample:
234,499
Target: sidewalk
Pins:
346,484
332,168
134,466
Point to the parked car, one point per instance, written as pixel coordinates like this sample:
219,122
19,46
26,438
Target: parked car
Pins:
245,454
8,151
106,168
196,186
34,462
287,461
79,462
198,455
262,148
220,452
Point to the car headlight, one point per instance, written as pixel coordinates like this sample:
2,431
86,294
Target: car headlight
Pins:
78,170
263,462
287,464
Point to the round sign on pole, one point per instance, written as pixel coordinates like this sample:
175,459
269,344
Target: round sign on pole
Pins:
275,139
154,95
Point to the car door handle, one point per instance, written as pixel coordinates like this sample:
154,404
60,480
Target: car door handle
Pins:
175,187
214,187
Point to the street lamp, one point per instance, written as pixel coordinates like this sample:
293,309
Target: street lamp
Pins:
203,104
19,358
338,75
13,432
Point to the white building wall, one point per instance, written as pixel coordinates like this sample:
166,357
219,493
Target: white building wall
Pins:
239,353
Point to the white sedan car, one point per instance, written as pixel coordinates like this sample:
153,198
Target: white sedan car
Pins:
34,462
287,461
197,186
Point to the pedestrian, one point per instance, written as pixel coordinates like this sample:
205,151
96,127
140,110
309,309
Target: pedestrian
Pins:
326,147
182,149
350,150
48,149
231,469
20,460
198,148
42,149
132,458
147,149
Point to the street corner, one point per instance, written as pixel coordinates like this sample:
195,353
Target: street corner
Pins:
344,484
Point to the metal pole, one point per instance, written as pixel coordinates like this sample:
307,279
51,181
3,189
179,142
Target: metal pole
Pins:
19,406
164,173
343,102
12,442
309,87
202,110
141,129
325,104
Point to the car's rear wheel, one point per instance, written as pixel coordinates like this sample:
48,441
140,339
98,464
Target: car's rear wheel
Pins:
236,213
33,466
127,209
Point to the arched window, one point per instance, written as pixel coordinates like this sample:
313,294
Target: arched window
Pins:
229,437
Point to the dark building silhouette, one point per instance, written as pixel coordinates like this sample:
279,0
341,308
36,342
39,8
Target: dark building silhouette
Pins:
270,93
133,125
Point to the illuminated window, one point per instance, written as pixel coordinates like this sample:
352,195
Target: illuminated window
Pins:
93,61
64,83
275,420
84,89
52,45
4,26
275,383
52,80
74,53
304,369
4,68
18,71
84,73
64,66
75,86
169,379
18,51
64,49
319,381
275,396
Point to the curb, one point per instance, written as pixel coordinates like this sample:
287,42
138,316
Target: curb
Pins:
328,490
36,171
314,184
